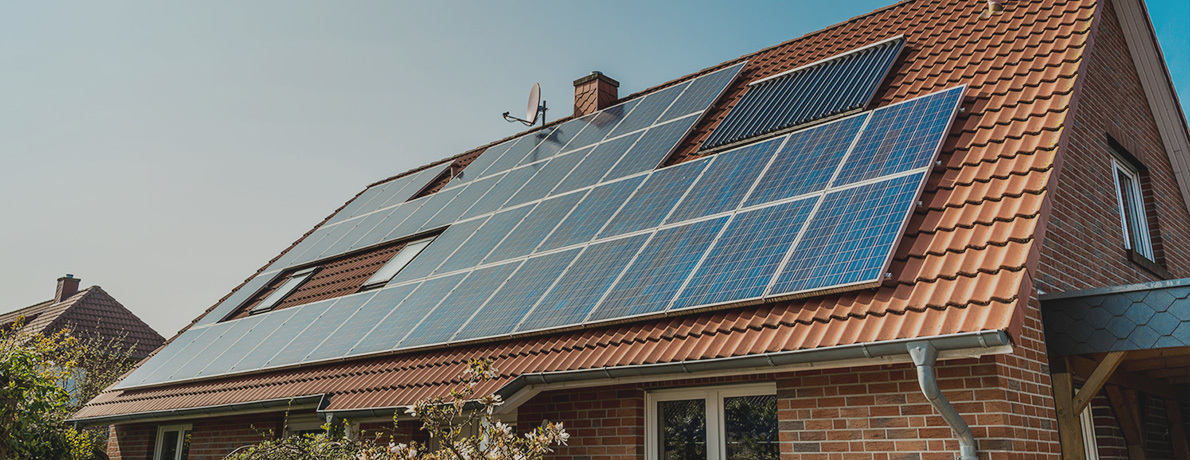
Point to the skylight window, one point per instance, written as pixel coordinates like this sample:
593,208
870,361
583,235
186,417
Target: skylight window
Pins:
396,264
295,280
1132,209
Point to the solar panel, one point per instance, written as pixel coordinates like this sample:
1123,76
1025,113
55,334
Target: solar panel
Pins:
236,299
653,201
331,236
807,161
649,109
849,240
837,85
502,191
362,322
512,158
512,302
581,287
596,164
484,240
727,179
590,214
393,219
193,349
659,270
535,227
442,323
233,331
429,208
601,123
463,200
418,181
333,316
702,92
555,142
438,250
901,137
302,317
746,256
269,323
475,169
389,331
547,178
351,209
359,228
146,373
654,146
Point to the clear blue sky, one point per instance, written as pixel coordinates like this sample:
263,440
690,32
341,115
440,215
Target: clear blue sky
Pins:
165,150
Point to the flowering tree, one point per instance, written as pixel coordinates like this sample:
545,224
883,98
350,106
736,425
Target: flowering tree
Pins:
445,419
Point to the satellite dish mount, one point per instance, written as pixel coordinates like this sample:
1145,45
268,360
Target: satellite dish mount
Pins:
535,110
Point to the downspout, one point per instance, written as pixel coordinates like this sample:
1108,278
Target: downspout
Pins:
924,356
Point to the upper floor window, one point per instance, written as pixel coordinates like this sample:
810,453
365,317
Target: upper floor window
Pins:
398,262
1132,209
736,422
295,281
173,442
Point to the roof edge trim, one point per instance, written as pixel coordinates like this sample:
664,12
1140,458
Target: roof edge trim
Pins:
318,401
1164,284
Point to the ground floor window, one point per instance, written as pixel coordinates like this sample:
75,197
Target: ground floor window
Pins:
173,442
737,422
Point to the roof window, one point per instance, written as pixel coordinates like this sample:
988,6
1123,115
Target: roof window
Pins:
295,280
396,264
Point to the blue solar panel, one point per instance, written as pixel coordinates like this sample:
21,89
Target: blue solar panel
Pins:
581,287
332,235
475,170
850,239
601,123
380,233
654,146
725,183
233,331
147,372
389,332
192,350
438,250
702,92
321,329
359,228
649,109
302,317
362,322
518,151
236,350
547,178
361,201
653,201
429,208
413,183
840,84
807,161
484,240
442,323
901,137
462,201
589,216
747,255
510,304
505,189
556,142
596,164
657,274
535,228
227,306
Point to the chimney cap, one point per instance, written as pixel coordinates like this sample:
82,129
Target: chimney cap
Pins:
597,75
68,276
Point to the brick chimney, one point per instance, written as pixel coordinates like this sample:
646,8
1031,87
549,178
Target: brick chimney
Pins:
594,92
67,286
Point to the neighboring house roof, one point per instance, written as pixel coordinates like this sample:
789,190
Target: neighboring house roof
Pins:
89,313
963,265
1119,318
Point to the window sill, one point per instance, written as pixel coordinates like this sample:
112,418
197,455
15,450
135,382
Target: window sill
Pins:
1149,265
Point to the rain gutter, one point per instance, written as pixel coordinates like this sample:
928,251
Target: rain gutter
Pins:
317,401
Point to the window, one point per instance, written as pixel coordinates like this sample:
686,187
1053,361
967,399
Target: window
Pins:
295,280
1090,445
173,442
1132,209
732,422
398,262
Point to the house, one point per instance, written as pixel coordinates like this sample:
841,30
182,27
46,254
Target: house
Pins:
859,243
91,314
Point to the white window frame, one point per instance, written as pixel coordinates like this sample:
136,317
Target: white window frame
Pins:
1144,238
714,396
291,283
403,257
161,430
1086,422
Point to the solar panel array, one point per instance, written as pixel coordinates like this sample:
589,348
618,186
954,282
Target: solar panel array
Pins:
815,91
624,248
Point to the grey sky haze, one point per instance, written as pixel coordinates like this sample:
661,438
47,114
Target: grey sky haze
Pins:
166,150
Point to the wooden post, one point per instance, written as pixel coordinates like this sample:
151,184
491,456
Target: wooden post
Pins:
1070,432
1177,430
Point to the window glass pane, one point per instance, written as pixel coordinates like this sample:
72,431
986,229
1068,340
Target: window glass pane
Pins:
751,427
399,261
683,429
280,293
1132,209
169,446
185,446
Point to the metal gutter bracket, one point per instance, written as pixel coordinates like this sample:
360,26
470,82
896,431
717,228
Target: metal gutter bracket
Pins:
924,356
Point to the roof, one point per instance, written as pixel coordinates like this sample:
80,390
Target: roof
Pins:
962,266
1120,318
90,313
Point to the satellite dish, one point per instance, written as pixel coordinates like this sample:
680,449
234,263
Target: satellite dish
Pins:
536,107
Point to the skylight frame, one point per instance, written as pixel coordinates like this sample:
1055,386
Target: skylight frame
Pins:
386,273
292,283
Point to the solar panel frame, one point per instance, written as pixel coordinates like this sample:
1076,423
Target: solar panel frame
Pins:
417,221
145,373
475,170
233,332
702,92
597,208
486,238
601,123
438,251
535,227
439,326
556,142
548,177
365,318
302,317
389,332
651,107
727,180
512,302
381,232
500,193
332,317
653,147
269,323
418,182
524,146
654,200
597,164
463,200
808,160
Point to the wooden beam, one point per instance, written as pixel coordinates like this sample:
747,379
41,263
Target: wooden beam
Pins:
1070,432
1084,367
1098,377
1127,409
1177,430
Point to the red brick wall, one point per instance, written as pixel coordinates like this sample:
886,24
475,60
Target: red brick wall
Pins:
213,439
1084,245
131,442
403,432
605,423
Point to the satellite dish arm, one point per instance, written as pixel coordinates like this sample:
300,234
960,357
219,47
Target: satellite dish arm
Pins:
540,109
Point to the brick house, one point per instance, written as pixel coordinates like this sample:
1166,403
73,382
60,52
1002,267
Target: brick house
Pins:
1050,208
